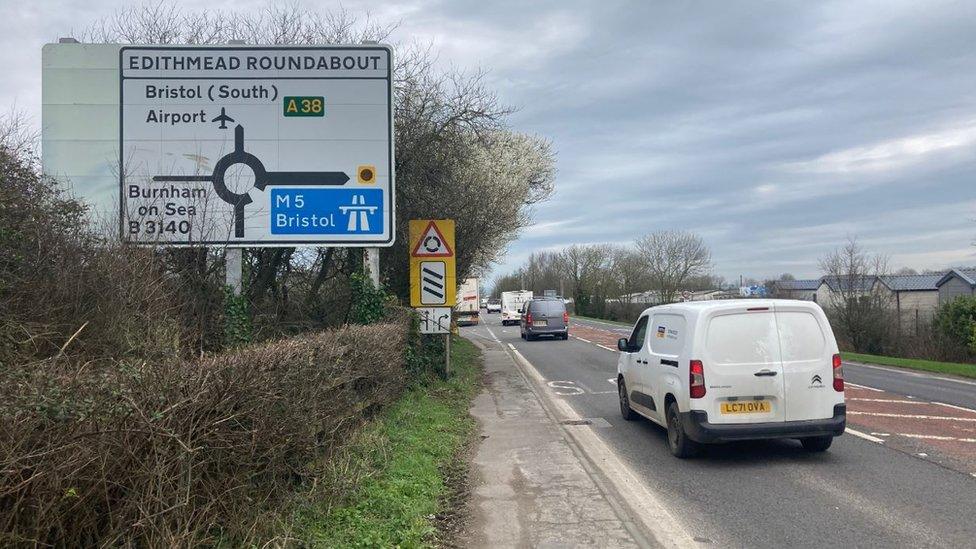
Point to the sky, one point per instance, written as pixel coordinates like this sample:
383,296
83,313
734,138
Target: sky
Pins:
775,131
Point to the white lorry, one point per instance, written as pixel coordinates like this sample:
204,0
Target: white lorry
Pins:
512,306
468,303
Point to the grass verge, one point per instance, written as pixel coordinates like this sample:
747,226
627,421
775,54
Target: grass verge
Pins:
953,368
595,319
400,462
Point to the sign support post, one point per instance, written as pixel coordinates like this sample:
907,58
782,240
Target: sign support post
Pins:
447,354
234,269
371,261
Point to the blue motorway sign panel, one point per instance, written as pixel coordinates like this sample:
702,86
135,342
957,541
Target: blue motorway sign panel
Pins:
326,211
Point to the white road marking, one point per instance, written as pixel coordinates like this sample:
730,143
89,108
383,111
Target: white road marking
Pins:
953,406
865,436
565,388
887,400
881,434
912,416
612,380
493,336
937,437
912,373
863,387
607,348
583,340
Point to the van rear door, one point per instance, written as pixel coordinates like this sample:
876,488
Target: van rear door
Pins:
807,368
743,369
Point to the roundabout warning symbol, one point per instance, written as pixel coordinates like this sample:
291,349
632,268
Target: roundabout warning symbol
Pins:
432,243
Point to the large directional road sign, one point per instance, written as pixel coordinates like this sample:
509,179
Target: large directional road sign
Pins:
432,276
229,145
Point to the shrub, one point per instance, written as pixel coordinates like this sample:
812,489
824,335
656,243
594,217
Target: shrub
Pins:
60,283
956,322
184,452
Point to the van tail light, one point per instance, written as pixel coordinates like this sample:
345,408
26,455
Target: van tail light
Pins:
528,318
565,318
696,379
838,374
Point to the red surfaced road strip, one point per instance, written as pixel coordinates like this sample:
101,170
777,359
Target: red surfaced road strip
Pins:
937,432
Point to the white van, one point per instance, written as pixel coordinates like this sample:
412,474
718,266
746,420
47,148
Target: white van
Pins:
741,369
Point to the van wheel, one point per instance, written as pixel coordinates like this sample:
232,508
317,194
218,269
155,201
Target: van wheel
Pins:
679,443
626,411
816,444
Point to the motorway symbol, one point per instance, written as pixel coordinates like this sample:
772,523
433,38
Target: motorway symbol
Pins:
432,243
357,213
433,277
262,178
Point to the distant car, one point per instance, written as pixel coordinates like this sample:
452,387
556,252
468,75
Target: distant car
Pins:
494,306
484,303
544,317
728,370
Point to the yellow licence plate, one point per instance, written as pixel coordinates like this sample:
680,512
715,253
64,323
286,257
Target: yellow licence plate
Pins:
747,407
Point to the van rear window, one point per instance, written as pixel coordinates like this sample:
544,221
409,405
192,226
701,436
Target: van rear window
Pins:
548,307
743,339
800,336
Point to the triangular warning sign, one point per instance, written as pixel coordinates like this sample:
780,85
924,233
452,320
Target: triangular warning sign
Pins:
432,243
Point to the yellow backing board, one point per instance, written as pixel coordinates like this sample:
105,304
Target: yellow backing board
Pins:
433,282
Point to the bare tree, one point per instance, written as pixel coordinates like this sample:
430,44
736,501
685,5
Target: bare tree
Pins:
672,257
583,265
456,156
857,303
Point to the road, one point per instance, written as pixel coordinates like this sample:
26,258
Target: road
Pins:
861,493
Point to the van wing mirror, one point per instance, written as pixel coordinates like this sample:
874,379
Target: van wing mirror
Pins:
623,344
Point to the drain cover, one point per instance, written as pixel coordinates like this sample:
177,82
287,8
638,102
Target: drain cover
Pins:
576,422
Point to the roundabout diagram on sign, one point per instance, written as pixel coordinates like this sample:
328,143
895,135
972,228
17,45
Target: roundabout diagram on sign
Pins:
262,178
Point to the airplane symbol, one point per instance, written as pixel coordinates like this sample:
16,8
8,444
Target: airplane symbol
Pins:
223,118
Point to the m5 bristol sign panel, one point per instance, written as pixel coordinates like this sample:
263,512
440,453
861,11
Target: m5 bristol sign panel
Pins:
253,145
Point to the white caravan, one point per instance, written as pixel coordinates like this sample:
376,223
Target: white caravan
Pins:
512,306
742,369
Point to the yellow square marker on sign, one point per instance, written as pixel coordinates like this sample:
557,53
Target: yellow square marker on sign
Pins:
366,174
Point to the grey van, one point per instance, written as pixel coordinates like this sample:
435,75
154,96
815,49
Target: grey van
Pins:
544,317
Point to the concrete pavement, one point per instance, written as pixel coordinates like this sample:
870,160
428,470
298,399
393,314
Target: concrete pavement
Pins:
532,485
